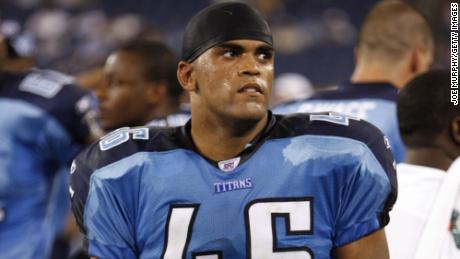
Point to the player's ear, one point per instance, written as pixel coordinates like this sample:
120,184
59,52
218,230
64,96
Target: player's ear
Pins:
417,65
185,75
455,130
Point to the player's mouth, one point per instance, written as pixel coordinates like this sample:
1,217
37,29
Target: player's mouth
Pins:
251,89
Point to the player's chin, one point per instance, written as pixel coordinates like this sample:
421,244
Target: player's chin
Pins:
253,111
108,125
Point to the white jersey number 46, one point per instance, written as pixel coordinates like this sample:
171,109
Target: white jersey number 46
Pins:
260,216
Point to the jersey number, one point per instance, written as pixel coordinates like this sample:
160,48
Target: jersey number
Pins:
260,221
333,117
122,135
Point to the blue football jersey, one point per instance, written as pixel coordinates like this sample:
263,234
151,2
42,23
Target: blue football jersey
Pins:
374,102
307,184
41,129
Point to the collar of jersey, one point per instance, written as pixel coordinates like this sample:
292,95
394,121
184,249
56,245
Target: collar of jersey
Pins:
251,147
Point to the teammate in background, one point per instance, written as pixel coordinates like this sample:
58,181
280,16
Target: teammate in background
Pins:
395,44
141,87
91,79
236,181
430,128
42,129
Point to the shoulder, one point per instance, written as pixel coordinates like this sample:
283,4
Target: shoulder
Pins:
46,89
357,148
47,83
327,123
55,96
341,128
118,151
126,141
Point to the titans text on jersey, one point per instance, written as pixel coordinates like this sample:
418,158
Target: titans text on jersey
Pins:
307,184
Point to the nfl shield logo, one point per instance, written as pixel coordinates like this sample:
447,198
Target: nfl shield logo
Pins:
229,165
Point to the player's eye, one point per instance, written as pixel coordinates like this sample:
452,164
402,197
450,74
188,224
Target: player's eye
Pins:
230,53
265,55
114,83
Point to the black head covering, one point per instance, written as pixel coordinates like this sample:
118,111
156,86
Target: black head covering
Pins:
223,22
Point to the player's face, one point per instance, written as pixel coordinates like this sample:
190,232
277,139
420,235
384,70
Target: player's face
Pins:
234,79
122,100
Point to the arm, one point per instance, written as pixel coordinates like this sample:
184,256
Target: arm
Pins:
372,246
103,214
366,196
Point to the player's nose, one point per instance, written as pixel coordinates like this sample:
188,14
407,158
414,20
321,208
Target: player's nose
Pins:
249,66
100,92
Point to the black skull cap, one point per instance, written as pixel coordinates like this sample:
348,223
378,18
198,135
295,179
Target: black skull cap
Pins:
222,22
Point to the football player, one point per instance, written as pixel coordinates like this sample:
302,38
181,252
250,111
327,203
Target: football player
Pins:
236,181
140,87
394,45
42,127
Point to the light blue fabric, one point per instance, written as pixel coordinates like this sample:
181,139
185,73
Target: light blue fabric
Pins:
128,203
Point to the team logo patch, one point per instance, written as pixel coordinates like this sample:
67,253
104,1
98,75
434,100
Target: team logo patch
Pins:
229,165
234,185
454,227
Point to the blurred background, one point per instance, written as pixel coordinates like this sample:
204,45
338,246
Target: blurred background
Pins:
313,38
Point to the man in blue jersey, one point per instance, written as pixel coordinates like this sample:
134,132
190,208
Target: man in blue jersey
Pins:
395,44
236,181
42,128
141,87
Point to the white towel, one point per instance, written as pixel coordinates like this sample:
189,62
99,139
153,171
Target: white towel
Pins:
431,241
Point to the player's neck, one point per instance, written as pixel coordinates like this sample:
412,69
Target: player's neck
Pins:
162,110
429,156
369,73
220,139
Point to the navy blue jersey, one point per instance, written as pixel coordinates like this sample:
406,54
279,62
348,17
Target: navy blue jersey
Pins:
374,102
305,185
41,129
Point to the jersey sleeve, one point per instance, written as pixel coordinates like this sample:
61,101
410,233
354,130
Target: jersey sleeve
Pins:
66,108
104,204
65,134
369,192
397,145
73,110
57,94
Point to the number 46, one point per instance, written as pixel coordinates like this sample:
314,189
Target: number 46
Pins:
121,135
260,218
